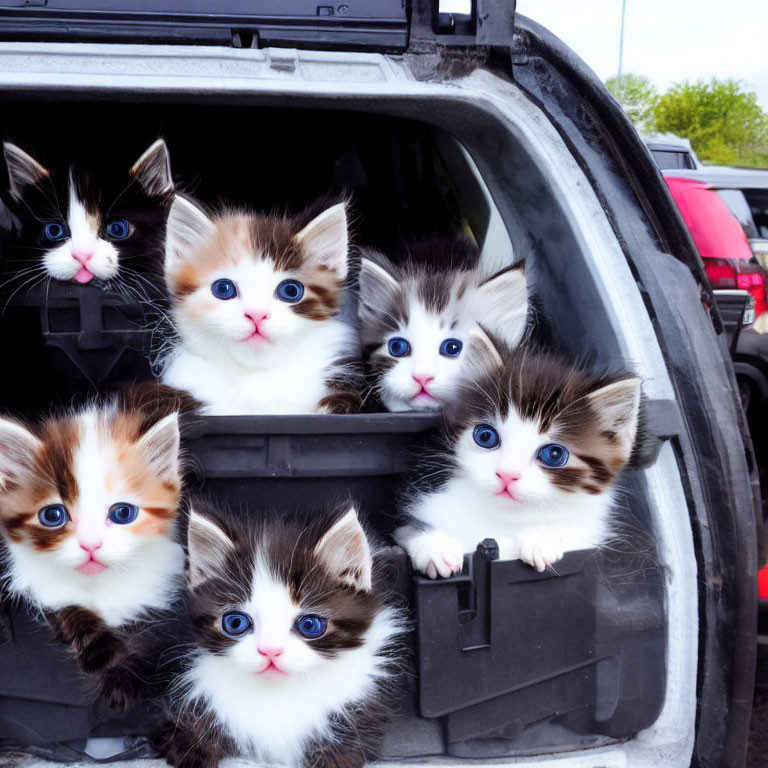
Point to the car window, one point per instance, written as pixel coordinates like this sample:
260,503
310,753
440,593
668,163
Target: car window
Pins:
758,203
668,159
715,230
739,207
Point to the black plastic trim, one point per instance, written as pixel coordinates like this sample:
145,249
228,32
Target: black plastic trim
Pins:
373,24
722,488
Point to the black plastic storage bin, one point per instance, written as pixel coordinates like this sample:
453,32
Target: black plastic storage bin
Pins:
504,651
47,706
301,461
74,341
245,463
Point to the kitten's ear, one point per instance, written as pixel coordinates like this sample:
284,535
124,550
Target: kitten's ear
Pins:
483,356
325,240
160,446
617,407
18,450
23,170
379,282
503,304
208,546
188,225
153,170
345,552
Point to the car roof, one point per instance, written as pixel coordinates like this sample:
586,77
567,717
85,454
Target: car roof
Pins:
723,177
666,141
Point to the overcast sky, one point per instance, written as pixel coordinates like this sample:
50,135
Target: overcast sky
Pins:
668,40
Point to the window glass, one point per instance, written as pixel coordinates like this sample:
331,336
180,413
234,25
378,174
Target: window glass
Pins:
758,203
669,159
739,207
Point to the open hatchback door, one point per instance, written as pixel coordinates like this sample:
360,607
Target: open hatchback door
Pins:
433,116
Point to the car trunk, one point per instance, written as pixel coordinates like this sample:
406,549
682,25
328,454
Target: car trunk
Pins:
600,654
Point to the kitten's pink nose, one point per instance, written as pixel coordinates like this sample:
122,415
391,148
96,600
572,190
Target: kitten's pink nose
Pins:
82,256
423,379
271,652
89,546
508,478
256,316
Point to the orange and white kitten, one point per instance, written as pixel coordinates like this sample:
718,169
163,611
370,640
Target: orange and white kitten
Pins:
88,510
255,303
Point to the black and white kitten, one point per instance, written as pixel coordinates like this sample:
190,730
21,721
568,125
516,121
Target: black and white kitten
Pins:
416,318
297,646
531,453
85,219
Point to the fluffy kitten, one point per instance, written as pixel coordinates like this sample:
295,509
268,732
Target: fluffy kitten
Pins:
85,221
255,301
296,644
416,319
532,449
88,507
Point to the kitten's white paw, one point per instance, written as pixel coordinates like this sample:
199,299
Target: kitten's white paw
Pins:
435,553
540,549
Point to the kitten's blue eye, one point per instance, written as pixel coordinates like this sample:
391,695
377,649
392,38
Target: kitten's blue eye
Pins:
451,348
311,626
224,289
236,623
118,229
553,455
290,291
398,347
123,513
55,231
53,516
485,436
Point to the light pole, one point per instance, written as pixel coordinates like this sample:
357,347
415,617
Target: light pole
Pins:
621,41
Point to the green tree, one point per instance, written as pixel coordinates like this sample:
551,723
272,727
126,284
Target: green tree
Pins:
637,95
724,123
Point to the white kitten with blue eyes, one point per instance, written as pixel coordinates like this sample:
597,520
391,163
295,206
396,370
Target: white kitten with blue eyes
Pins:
416,320
256,300
532,450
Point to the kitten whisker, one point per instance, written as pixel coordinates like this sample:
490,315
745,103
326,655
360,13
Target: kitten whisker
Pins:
32,282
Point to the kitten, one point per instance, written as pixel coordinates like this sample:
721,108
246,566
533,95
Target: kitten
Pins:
297,647
86,221
88,507
416,319
255,301
532,449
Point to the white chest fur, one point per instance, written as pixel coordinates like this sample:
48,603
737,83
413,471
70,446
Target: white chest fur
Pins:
287,380
273,719
578,521
117,595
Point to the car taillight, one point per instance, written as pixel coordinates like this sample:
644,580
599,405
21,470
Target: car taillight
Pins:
745,282
751,278
762,582
721,273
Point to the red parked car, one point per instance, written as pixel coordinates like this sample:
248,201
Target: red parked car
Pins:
721,241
